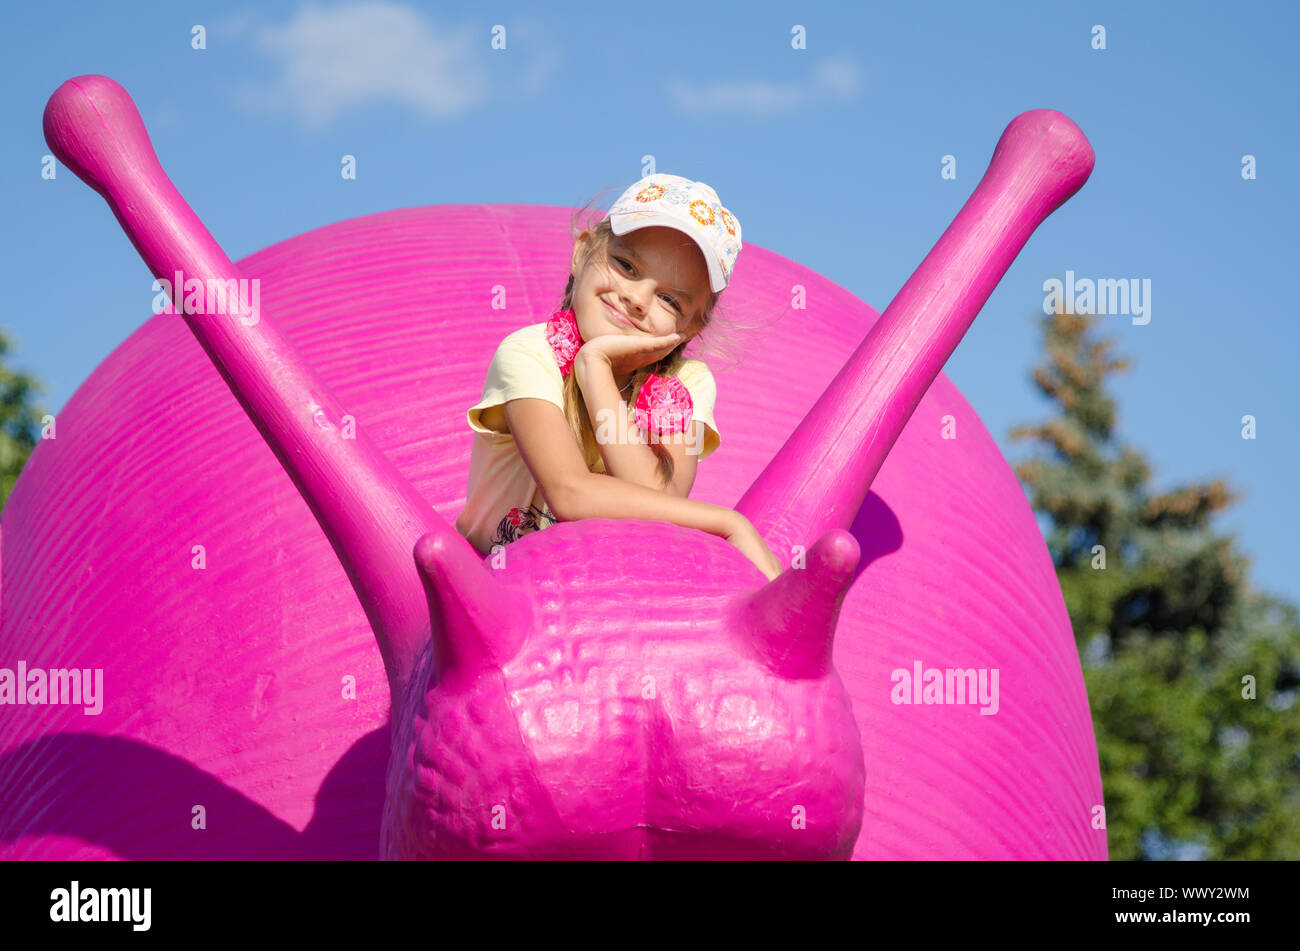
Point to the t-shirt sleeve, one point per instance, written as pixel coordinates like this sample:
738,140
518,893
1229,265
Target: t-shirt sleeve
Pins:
523,366
698,380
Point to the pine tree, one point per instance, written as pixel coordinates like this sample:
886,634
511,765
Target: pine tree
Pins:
19,421
1191,673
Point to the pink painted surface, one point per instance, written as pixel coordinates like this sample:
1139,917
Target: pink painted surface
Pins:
621,688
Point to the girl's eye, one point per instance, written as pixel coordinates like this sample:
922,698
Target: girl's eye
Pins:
670,299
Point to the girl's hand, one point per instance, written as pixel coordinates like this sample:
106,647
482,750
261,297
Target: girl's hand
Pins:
744,536
626,353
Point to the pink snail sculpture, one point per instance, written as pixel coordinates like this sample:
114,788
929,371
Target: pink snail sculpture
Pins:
235,510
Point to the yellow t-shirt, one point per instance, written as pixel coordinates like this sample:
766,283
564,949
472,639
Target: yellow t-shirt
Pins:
502,499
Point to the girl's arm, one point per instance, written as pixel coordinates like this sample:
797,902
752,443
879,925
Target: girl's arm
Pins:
628,459
548,449
598,496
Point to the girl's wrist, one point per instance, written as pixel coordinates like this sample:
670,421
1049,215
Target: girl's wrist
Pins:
588,362
589,366
588,356
729,521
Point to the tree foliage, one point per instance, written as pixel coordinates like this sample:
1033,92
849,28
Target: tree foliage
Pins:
19,421
1171,634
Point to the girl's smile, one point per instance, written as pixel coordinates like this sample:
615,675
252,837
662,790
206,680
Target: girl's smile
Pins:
618,317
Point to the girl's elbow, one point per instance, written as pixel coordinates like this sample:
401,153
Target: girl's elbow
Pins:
565,500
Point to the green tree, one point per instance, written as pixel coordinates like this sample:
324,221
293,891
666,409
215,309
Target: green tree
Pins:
1171,635
19,421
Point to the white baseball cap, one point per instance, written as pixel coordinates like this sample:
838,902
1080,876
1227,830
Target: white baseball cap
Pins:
670,201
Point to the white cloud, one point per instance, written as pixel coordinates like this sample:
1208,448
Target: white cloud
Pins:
344,57
831,79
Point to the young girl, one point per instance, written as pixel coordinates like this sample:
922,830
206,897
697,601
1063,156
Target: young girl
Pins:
602,387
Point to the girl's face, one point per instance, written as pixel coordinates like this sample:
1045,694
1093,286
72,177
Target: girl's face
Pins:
655,277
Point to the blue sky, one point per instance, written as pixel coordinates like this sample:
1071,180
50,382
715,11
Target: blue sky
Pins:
829,155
